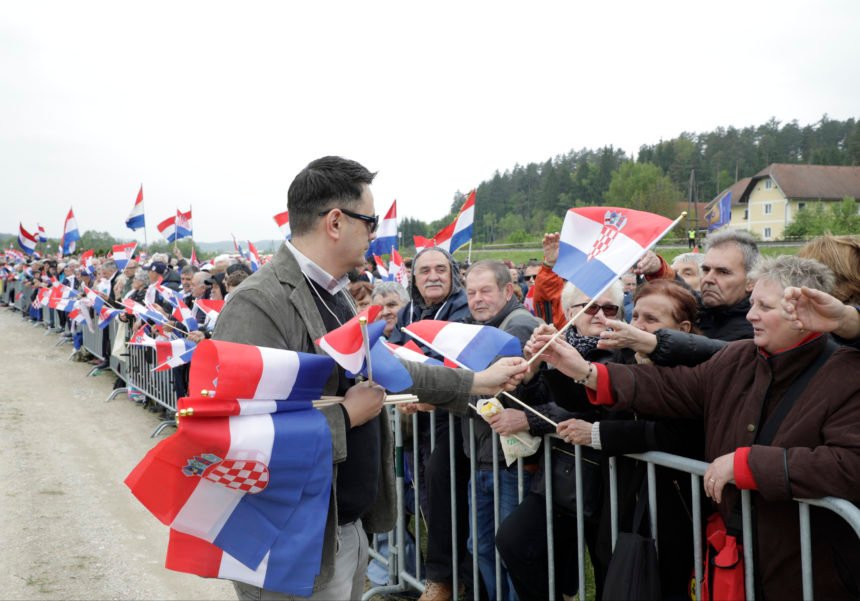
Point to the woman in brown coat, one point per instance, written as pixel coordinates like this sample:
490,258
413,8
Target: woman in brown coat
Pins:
815,451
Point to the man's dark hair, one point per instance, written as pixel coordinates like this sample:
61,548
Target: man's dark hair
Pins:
326,183
231,269
188,270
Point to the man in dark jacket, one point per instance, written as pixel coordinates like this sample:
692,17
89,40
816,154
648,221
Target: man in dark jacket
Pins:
437,293
490,293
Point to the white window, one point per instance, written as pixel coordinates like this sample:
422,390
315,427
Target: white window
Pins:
768,184
768,208
767,233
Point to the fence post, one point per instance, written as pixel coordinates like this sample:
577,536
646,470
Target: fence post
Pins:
805,550
550,541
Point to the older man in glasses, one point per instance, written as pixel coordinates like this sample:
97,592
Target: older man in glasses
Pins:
296,298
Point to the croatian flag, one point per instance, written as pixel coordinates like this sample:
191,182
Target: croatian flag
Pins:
283,222
411,352
123,253
42,236
70,233
76,314
459,232
104,312
397,269
183,315
386,235
132,307
346,345
472,346
62,297
167,228
136,218
421,243
245,493
139,338
380,267
194,261
253,257
599,244
183,225
211,308
173,353
26,240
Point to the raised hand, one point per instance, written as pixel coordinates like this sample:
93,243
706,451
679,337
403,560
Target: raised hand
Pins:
622,335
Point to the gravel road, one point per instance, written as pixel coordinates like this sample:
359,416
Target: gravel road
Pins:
69,527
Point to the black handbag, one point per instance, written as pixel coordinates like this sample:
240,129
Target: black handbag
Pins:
634,571
564,480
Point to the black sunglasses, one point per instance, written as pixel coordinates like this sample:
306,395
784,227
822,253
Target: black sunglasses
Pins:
530,277
608,310
372,221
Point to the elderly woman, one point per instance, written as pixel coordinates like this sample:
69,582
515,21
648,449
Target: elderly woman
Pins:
519,539
391,296
688,266
755,441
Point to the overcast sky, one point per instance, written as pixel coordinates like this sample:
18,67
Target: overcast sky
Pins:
219,105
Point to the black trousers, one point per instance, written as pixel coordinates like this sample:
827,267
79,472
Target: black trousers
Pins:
521,541
438,474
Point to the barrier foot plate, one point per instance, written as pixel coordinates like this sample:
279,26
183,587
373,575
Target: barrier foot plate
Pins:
166,423
115,392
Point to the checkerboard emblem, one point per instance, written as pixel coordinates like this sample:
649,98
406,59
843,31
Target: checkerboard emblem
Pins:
612,223
246,473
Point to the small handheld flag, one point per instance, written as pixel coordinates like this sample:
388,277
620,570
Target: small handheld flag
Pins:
283,222
123,253
386,234
473,346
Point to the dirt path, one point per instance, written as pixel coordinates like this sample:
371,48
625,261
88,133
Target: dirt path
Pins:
69,528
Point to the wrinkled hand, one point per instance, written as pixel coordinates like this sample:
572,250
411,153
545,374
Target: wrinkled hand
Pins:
810,309
529,350
718,474
564,357
575,431
508,422
648,264
363,402
550,247
410,408
505,373
623,335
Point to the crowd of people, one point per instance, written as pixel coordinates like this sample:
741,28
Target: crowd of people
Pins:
724,356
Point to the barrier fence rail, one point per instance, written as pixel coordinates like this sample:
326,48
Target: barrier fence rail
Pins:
405,576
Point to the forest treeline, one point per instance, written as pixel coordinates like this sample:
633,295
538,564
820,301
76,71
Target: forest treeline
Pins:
520,204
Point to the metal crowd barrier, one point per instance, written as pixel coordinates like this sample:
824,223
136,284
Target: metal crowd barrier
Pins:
157,386
403,577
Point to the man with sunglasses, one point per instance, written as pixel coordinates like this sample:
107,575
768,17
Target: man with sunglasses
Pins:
296,298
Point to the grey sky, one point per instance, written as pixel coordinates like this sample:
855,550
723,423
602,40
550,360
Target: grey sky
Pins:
218,105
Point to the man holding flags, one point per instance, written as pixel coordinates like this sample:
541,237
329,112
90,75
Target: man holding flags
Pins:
297,298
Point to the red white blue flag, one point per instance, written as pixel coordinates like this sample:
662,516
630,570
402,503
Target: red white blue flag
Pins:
173,353
599,244
167,229
70,234
411,352
184,228
43,237
245,493
254,257
397,269
136,219
283,222
471,346
26,240
381,268
123,253
386,235
459,232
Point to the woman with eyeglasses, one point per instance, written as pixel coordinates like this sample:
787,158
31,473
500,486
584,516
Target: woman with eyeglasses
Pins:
658,304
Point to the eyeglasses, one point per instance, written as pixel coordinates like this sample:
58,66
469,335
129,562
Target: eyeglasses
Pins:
608,310
530,277
371,221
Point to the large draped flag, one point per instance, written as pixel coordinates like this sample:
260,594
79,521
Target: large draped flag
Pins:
599,244
123,253
70,234
26,241
245,482
346,346
43,237
456,234
720,212
473,346
136,219
386,234
283,222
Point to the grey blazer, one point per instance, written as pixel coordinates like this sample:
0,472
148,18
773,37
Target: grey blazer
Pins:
275,308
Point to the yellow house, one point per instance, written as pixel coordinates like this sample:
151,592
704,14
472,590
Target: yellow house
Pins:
767,202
